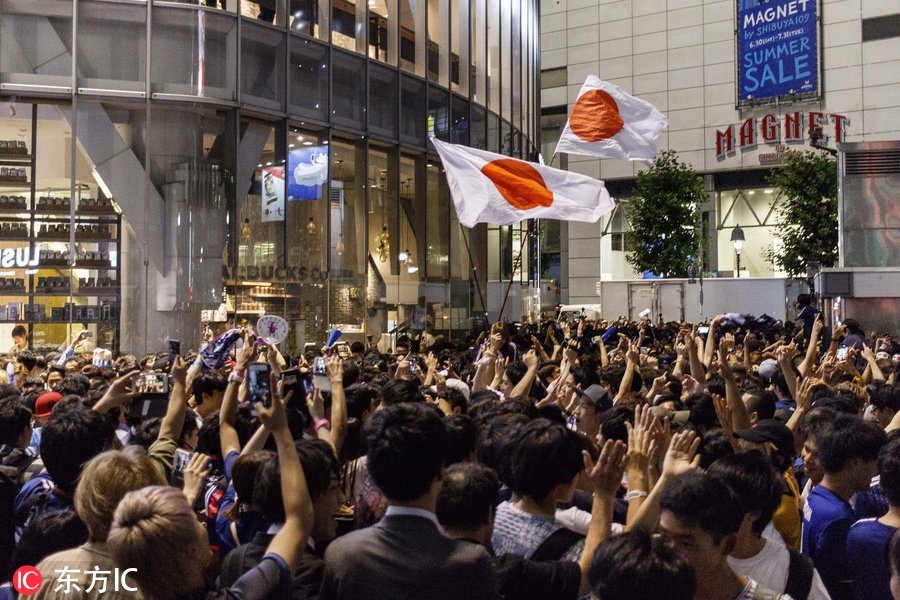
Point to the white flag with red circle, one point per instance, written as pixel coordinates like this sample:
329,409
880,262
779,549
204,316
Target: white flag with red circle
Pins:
609,123
497,189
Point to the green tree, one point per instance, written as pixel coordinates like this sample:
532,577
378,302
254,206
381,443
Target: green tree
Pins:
665,217
808,215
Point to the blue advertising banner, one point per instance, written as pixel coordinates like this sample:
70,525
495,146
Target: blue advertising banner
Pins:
307,172
777,48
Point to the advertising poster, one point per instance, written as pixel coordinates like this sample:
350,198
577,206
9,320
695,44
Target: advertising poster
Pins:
308,171
777,48
272,196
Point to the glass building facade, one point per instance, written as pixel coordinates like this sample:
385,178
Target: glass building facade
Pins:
172,168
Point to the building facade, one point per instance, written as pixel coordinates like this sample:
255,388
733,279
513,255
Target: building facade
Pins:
736,96
173,168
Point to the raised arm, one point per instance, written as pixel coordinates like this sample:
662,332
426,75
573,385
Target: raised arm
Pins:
605,478
298,510
334,365
697,370
785,357
524,386
811,349
632,363
681,457
710,347
173,421
740,416
874,369
228,436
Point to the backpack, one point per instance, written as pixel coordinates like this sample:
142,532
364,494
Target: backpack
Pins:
556,545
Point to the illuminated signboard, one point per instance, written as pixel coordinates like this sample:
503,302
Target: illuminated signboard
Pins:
777,49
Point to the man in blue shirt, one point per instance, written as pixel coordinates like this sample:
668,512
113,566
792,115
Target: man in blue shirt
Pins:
848,451
868,538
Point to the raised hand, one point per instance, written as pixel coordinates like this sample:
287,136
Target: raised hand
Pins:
682,455
195,476
606,474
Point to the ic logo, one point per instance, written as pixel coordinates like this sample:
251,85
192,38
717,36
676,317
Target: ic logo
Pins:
27,580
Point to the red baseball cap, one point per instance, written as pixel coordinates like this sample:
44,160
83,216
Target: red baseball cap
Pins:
45,403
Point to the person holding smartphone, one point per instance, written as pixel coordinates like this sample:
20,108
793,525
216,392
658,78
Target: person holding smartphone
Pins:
155,532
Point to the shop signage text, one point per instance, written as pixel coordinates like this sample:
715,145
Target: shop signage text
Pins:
20,258
770,130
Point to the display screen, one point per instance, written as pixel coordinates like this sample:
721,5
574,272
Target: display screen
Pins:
777,49
307,172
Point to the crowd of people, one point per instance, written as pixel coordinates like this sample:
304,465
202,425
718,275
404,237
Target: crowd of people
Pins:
739,459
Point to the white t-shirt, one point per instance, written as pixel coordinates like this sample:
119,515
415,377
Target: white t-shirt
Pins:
770,569
579,521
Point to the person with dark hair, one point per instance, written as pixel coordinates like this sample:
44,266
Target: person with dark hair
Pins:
848,450
452,402
702,515
20,340
868,538
46,534
69,441
405,555
465,508
885,400
773,565
401,391
810,426
208,390
461,432
594,406
760,405
545,460
320,468
640,566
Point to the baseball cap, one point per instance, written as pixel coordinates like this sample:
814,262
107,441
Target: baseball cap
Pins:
596,395
770,430
44,404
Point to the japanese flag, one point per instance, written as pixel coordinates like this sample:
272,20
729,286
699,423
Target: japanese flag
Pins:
609,123
492,188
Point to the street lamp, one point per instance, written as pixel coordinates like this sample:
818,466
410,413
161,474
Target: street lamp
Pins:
737,240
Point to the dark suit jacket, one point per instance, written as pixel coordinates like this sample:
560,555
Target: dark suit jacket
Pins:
406,558
307,579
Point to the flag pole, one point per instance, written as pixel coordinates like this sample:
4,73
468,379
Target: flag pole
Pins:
552,159
474,268
513,275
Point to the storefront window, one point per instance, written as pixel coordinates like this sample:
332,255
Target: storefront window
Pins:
305,241
347,243
28,32
309,17
413,115
309,79
348,25
384,246
383,101
493,54
459,46
264,11
437,233
412,36
477,134
193,52
459,133
439,42
439,113
383,30
479,51
348,105
262,66
112,62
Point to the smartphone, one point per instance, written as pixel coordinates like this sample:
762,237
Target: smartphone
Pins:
151,395
258,384
88,334
174,352
841,353
703,330
300,383
413,364
320,375
180,460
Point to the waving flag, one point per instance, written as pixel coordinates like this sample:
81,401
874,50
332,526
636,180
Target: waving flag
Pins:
216,353
492,188
609,123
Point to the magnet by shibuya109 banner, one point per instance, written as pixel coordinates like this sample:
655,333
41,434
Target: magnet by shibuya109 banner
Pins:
778,52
